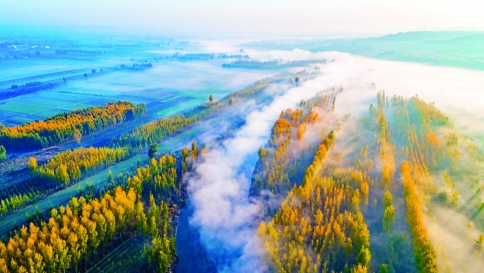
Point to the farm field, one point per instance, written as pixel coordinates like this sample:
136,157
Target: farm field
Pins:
167,83
15,71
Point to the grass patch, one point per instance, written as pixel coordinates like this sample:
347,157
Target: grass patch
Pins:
27,106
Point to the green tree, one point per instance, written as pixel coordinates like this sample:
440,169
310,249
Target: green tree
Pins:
110,178
262,152
62,175
194,150
384,268
479,241
364,256
3,153
210,98
387,199
33,165
152,151
388,218
184,159
159,255
77,136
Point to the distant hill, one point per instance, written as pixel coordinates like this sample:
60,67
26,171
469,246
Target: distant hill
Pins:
446,48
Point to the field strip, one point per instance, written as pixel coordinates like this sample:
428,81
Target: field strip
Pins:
38,112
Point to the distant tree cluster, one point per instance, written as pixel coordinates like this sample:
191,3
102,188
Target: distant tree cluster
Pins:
3,153
67,126
151,133
320,155
388,211
280,164
16,201
158,177
70,165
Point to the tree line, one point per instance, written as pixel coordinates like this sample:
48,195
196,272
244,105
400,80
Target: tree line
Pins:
14,202
283,160
70,165
155,131
68,126
319,226
416,120
63,169
3,153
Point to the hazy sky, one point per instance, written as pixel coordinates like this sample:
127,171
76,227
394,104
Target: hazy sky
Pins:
275,17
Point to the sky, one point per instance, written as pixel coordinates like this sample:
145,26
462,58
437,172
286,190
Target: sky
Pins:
249,17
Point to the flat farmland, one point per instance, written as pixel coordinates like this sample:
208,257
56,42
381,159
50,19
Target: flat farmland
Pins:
33,67
30,104
41,105
166,88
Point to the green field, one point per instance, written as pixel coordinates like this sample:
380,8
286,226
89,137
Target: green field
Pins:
31,105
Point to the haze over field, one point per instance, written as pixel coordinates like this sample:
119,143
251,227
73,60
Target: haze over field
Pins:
234,17
240,136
